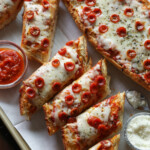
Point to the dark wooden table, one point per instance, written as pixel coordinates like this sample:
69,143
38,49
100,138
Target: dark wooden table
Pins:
6,140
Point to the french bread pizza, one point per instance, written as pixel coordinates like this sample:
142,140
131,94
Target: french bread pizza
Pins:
120,31
110,144
39,22
91,87
97,123
67,65
8,11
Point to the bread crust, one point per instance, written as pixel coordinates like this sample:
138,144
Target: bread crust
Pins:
10,14
48,107
26,107
70,135
38,55
114,141
92,39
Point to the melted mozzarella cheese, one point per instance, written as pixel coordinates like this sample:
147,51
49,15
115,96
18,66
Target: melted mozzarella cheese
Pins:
134,39
40,18
96,147
51,74
85,130
84,81
5,4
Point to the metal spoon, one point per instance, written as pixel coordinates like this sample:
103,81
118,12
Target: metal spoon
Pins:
146,107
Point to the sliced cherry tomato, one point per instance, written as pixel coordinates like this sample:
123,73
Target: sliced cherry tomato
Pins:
139,26
30,92
56,86
91,17
131,53
90,2
39,82
34,31
70,43
76,88
147,77
55,63
129,12
30,15
103,28
147,64
97,11
62,51
45,4
121,31
147,44
69,100
94,88
74,112
86,96
63,116
45,42
114,18
100,80
94,121
69,66
86,10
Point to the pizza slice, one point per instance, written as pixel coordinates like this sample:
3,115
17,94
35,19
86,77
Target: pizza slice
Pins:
120,31
67,65
110,144
39,22
97,123
8,11
90,88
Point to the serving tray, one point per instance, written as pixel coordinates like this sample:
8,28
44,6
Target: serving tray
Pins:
34,132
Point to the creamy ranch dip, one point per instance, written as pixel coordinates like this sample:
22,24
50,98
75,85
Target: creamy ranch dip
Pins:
134,99
138,132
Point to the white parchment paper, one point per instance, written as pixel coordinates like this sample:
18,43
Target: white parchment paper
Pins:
34,132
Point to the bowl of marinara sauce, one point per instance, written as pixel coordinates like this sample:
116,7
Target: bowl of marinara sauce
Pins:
13,64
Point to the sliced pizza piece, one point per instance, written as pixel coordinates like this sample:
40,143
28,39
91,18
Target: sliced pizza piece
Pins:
110,144
90,88
120,31
39,23
8,11
97,123
68,64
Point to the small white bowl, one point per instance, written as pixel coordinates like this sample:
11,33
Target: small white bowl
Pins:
13,46
125,130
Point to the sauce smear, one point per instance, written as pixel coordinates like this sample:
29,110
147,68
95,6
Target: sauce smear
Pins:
11,65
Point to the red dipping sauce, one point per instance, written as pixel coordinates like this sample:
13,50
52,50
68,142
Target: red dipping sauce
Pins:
11,65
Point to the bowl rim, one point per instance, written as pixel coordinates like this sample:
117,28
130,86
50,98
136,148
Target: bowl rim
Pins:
125,129
25,59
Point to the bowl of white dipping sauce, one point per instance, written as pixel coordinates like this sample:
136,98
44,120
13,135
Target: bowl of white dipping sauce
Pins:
137,131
